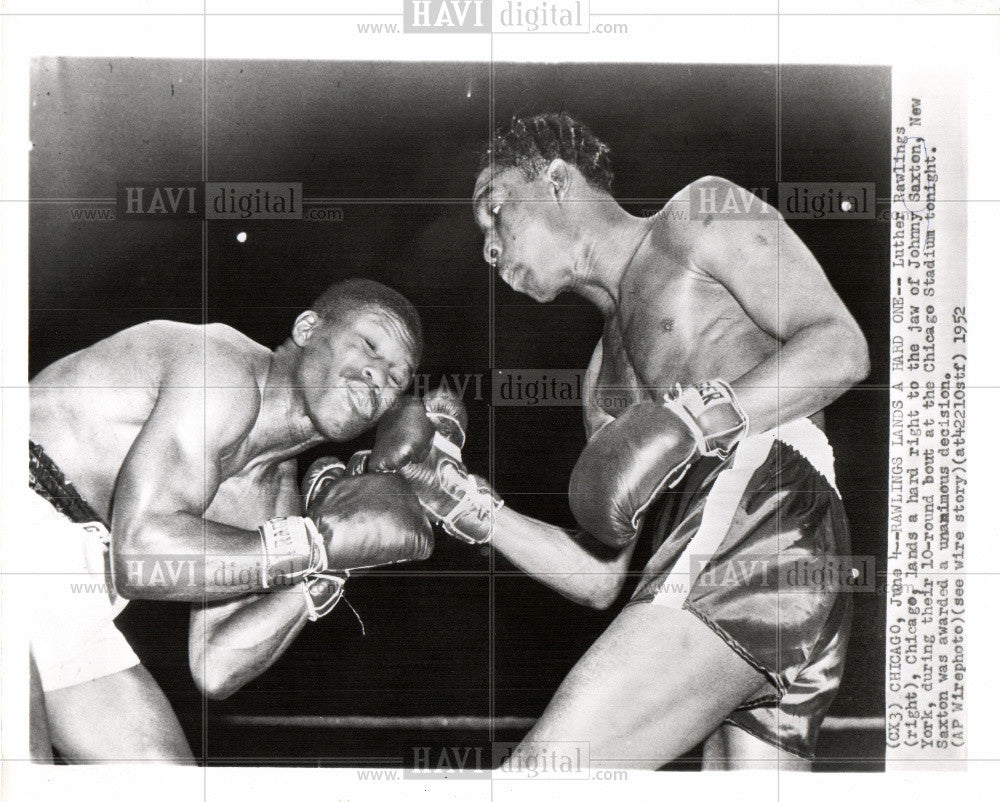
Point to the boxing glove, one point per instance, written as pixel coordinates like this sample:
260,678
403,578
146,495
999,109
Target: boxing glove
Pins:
369,520
423,443
649,447
319,476
404,435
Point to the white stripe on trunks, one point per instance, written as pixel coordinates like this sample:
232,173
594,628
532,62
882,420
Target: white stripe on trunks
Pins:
727,490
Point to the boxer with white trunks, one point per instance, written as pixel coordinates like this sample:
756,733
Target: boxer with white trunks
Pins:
162,466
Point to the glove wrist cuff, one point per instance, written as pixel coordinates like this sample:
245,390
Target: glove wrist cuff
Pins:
317,483
322,593
712,413
445,424
293,548
472,519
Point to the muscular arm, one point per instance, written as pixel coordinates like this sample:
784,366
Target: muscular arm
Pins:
782,288
232,642
593,416
570,562
162,546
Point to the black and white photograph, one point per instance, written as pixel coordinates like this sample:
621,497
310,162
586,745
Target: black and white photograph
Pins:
406,420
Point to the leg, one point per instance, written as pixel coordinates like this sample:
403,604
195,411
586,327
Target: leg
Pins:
654,685
39,740
121,716
730,748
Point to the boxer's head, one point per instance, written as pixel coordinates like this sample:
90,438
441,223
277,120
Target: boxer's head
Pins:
527,200
358,347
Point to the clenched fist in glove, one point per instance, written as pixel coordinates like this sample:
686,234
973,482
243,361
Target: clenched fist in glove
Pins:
422,442
649,447
351,522
366,520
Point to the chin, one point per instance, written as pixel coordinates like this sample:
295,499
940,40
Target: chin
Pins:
541,297
338,430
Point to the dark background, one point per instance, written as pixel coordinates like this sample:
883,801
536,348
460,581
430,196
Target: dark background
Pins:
397,146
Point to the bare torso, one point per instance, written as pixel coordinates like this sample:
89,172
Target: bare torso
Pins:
673,324
88,408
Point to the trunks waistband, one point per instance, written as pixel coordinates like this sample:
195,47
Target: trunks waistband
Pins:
809,440
45,478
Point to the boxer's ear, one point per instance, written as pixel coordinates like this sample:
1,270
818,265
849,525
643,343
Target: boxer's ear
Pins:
305,325
558,176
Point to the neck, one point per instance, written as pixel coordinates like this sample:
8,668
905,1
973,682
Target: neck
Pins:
610,238
283,424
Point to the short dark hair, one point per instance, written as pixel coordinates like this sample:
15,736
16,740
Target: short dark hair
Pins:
361,293
532,143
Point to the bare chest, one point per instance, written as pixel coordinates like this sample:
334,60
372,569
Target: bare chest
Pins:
673,326
247,498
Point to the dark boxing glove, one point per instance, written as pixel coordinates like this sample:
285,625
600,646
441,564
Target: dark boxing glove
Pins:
370,520
423,441
404,435
463,503
648,448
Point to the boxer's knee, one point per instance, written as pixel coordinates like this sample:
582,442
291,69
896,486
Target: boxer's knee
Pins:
122,716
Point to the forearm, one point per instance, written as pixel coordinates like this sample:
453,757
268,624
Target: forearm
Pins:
239,647
184,557
570,562
812,369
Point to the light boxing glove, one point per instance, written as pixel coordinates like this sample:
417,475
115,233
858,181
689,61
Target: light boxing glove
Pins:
293,548
648,448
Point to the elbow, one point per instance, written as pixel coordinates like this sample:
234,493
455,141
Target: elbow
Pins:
601,601
604,593
214,682
844,351
219,691
857,362
134,564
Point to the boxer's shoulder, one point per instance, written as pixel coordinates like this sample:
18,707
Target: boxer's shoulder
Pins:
210,380
708,209
219,354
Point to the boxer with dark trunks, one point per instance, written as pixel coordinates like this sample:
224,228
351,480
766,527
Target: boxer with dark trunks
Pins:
723,341
163,461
